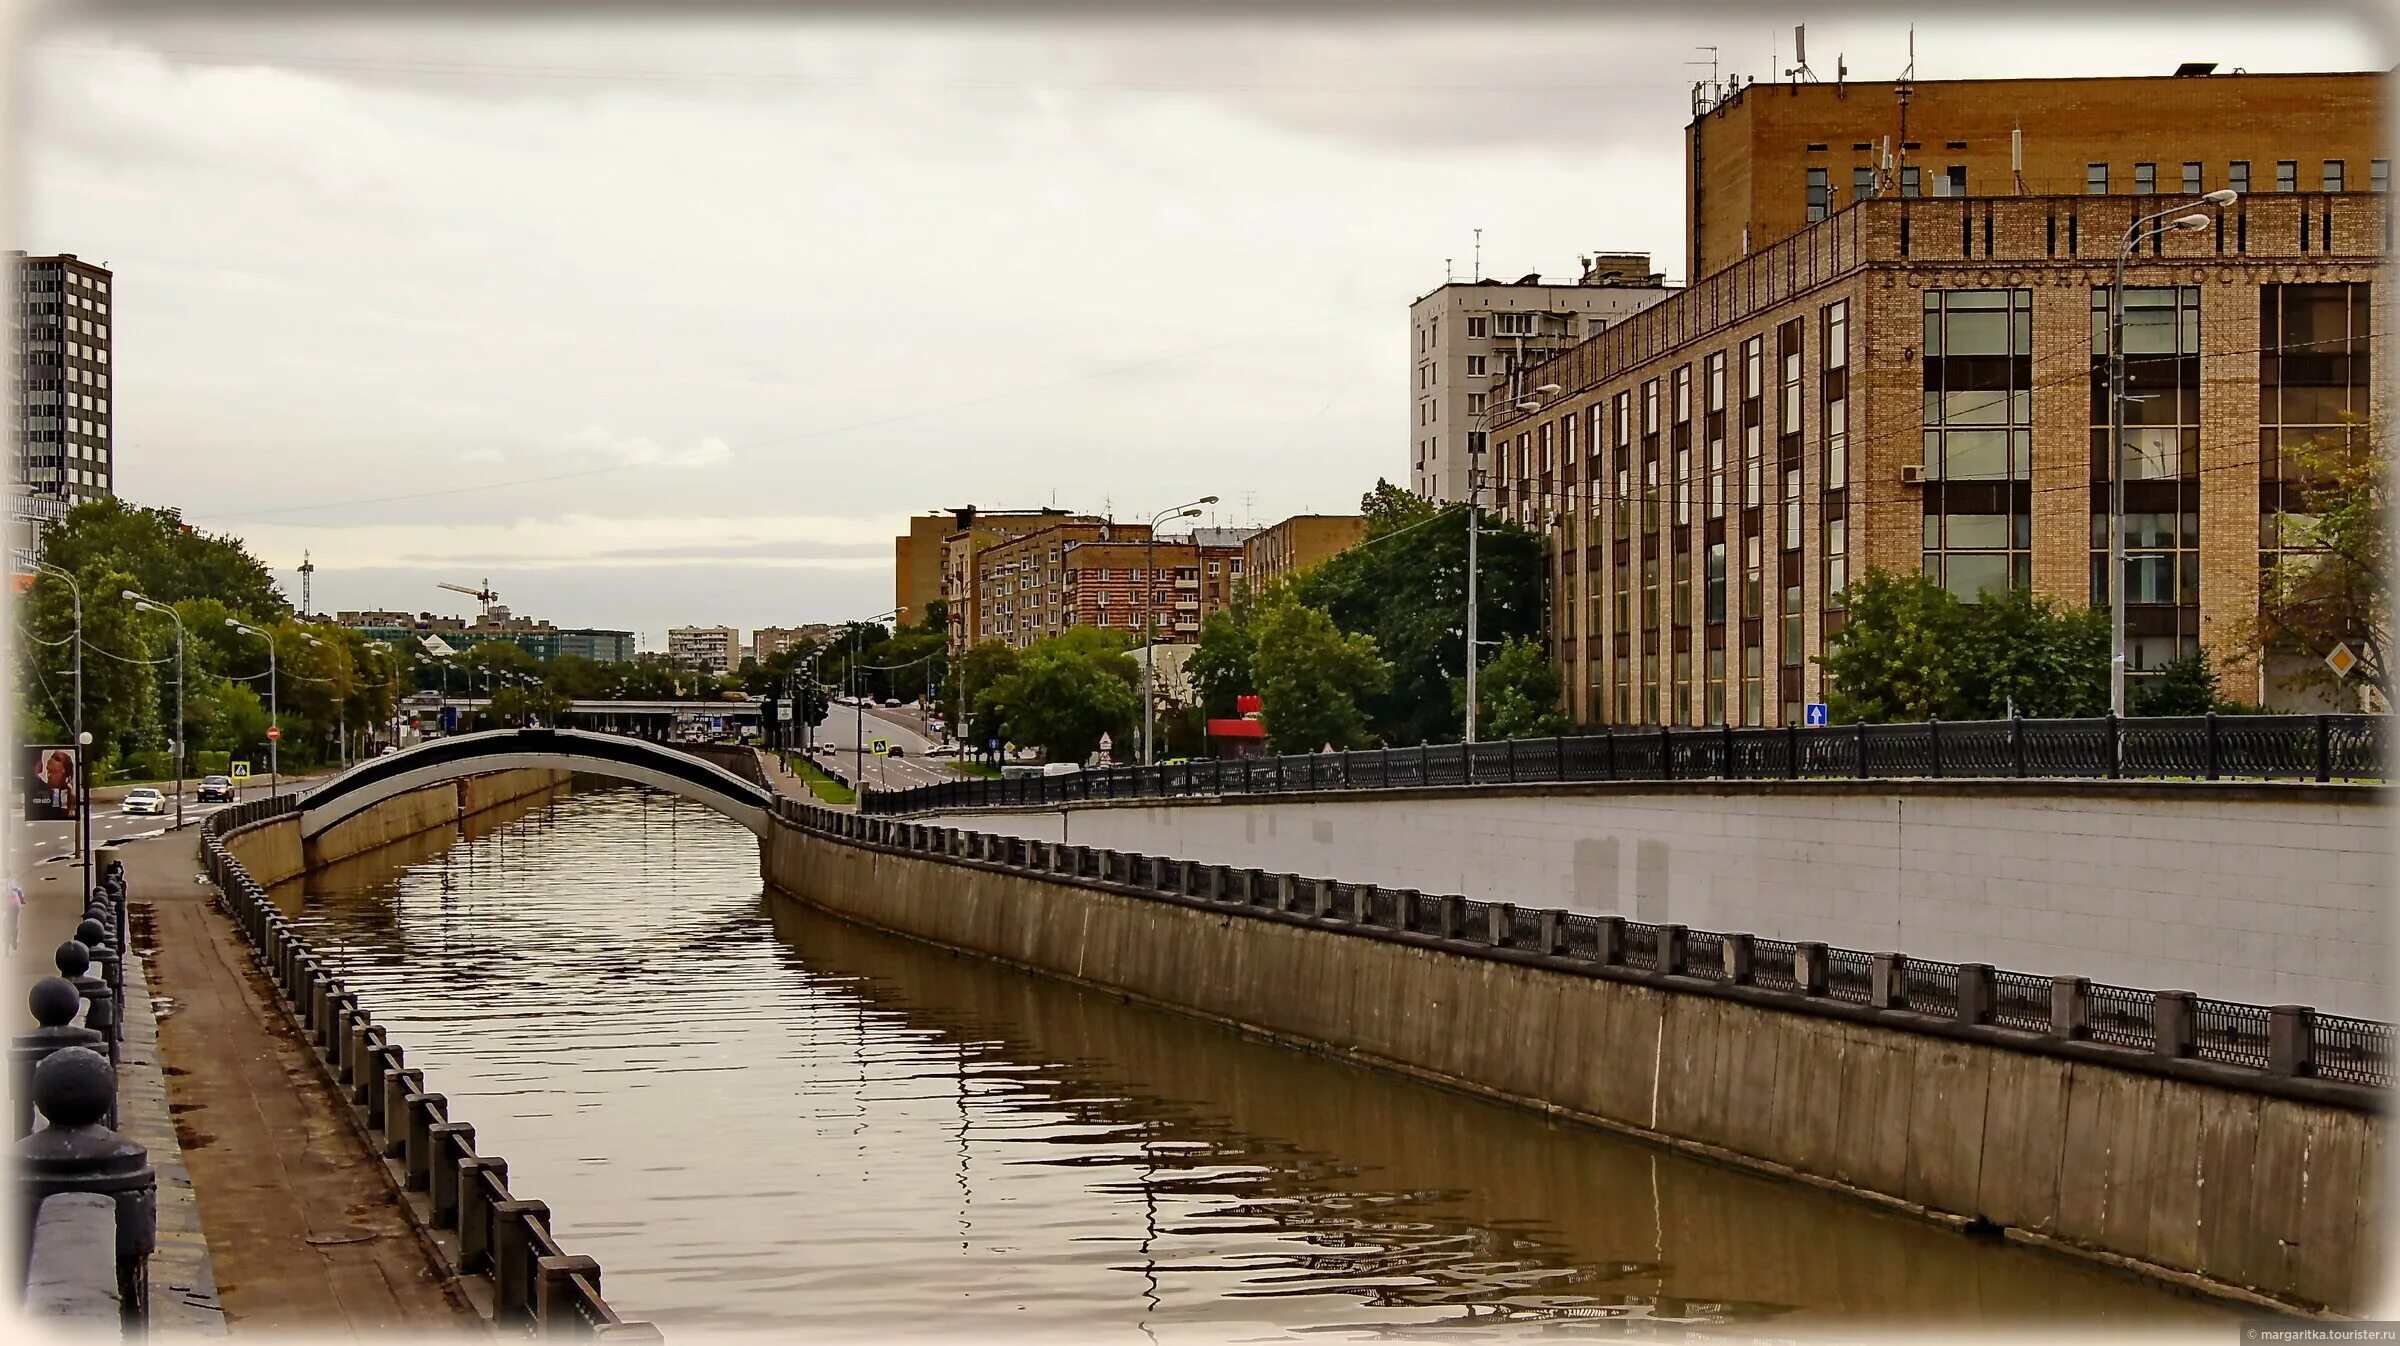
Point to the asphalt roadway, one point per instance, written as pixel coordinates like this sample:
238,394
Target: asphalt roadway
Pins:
905,729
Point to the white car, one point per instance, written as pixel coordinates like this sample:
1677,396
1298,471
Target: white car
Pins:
145,799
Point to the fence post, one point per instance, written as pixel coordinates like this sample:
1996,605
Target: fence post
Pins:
1974,993
2324,748
1666,754
1558,760
1671,945
2016,742
1862,750
475,1212
1611,941
2292,1040
443,1176
1739,952
1499,922
512,1258
1933,743
1452,912
1791,750
554,1293
1887,981
1726,762
1611,737
2171,1023
1554,931
1424,764
2070,1007
1808,967
1511,756
2211,740
2116,757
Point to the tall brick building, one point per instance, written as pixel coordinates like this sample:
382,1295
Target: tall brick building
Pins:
1281,550
1764,161
1917,384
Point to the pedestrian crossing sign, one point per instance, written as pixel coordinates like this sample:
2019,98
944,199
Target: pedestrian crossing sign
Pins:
241,771
880,747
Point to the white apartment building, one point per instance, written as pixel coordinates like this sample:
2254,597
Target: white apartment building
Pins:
63,344
711,647
1468,337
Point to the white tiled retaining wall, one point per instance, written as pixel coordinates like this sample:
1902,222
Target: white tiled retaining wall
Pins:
2273,895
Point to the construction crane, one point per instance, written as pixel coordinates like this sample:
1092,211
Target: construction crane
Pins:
485,595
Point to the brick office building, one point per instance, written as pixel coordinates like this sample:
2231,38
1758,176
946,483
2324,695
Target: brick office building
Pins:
1020,583
1915,383
1281,550
1764,161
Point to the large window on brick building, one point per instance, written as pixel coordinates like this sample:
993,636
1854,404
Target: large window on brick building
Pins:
1818,195
2314,367
1978,438
2161,456
1834,472
1714,428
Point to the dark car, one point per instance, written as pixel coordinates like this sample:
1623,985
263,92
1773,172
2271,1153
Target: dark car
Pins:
217,789
894,751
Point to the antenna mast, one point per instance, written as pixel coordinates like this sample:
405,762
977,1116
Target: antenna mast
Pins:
1478,257
307,568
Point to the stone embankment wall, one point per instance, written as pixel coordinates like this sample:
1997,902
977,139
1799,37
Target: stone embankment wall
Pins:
274,853
2259,1192
2270,894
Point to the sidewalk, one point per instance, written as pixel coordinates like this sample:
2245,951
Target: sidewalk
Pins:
793,785
303,1228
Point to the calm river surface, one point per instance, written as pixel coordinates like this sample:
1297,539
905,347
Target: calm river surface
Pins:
759,1117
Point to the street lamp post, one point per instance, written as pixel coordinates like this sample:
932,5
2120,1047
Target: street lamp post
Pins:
2135,233
83,741
858,740
141,604
341,707
1150,623
274,710
1474,532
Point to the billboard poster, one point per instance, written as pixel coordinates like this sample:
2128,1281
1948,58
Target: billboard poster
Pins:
50,783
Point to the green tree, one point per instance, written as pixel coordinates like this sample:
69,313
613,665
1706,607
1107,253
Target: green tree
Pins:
1405,586
976,673
1899,653
1219,666
2187,686
2030,654
164,557
120,672
1065,693
2330,584
1521,693
1311,677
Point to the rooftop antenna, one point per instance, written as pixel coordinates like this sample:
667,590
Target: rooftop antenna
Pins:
2016,157
1478,275
1800,70
1711,93
307,569
1449,270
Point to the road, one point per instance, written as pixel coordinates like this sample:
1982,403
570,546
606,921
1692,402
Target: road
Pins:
902,729
36,844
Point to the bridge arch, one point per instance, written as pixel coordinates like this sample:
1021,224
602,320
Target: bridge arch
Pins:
612,755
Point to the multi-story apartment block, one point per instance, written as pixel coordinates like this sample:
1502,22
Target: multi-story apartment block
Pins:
537,638
917,562
709,647
975,531
1467,339
1918,384
1765,161
64,445
1281,550
1109,576
1021,582
768,641
598,645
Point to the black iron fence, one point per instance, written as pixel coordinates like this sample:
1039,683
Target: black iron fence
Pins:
536,1286
2200,747
2281,1040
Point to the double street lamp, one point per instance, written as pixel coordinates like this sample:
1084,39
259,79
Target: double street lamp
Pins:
141,604
2142,229
274,711
1150,622
1475,475
83,741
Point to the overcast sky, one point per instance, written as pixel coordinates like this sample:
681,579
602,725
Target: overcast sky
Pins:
655,324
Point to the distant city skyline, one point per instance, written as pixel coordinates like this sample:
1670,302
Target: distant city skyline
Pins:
649,325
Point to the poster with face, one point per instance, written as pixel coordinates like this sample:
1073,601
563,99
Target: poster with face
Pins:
50,791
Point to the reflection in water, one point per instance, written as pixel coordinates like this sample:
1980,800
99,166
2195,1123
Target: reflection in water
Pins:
755,1115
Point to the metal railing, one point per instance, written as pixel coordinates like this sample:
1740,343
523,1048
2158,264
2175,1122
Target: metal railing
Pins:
2322,748
2019,1007
536,1285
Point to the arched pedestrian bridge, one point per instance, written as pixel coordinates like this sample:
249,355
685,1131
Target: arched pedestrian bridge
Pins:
620,758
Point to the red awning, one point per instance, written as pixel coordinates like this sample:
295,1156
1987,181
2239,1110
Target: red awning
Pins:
1237,729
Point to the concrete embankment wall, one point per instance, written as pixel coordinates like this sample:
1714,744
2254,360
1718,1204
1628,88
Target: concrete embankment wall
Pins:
2238,1190
2268,894
274,853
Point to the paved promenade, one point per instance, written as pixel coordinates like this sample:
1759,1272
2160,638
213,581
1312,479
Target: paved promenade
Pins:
303,1229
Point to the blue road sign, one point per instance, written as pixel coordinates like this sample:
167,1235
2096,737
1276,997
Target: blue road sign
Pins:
993,746
449,719
1816,713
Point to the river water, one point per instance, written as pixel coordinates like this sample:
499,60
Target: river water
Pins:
759,1117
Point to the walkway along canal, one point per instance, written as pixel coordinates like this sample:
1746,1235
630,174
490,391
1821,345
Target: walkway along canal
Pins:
755,1115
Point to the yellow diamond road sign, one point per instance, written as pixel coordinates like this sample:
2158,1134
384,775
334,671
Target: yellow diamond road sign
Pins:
2341,661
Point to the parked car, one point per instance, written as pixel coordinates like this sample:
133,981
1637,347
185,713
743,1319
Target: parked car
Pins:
891,701
218,790
942,750
145,799
894,751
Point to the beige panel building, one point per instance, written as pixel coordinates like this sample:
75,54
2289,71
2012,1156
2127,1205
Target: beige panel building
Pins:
976,530
1281,550
712,647
1467,338
917,563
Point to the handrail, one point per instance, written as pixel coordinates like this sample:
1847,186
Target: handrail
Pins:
535,1284
2321,748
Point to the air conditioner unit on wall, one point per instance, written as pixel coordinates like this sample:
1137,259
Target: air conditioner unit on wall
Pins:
1912,474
